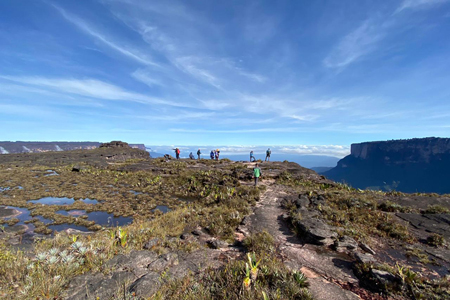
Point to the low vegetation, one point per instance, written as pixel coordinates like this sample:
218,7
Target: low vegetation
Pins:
259,274
214,196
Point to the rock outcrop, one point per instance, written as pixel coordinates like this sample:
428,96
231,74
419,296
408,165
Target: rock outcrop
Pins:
140,273
416,165
115,144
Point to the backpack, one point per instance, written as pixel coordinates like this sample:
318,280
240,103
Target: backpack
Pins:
178,151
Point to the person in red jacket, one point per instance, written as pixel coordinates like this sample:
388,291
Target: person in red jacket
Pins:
177,153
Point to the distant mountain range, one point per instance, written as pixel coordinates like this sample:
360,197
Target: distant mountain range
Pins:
35,147
415,165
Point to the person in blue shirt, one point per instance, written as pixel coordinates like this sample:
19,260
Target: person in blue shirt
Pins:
211,154
252,158
268,152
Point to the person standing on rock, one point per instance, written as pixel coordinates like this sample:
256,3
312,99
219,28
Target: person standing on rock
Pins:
199,153
252,158
268,152
211,154
177,153
256,173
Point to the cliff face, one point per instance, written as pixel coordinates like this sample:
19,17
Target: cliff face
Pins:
414,150
37,147
416,165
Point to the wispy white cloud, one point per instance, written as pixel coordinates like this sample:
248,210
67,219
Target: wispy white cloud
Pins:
305,118
178,116
355,45
128,51
334,150
188,53
25,110
90,88
419,4
367,37
191,65
144,77
287,129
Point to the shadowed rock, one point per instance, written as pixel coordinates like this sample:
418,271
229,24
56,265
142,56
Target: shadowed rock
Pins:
317,231
345,243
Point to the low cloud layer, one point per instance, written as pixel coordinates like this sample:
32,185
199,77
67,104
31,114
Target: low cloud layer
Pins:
328,150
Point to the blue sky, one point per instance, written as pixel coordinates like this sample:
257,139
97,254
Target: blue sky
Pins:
314,75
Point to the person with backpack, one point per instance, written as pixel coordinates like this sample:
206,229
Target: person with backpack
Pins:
268,152
211,154
199,153
177,153
252,158
256,173
191,156
217,153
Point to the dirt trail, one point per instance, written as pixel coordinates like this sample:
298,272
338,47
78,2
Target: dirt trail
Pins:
322,267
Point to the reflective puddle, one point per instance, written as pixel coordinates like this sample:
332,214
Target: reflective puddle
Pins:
61,201
51,173
105,219
163,208
23,215
73,213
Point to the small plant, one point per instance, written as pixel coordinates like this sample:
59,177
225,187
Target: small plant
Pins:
253,265
301,279
246,283
121,237
435,240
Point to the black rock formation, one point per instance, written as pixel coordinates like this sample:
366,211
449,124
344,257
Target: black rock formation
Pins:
415,165
115,144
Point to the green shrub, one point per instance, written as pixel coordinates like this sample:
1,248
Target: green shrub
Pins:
435,240
260,243
436,209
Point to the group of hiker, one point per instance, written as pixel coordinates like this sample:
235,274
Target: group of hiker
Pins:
214,155
253,159
256,170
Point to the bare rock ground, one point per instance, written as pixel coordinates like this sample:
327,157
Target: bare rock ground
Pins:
326,270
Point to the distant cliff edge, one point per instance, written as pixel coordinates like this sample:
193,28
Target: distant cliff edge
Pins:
35,147
415,165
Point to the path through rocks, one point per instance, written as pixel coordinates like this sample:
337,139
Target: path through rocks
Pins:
326,270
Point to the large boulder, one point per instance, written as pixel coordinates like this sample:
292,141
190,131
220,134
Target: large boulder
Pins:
317,231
